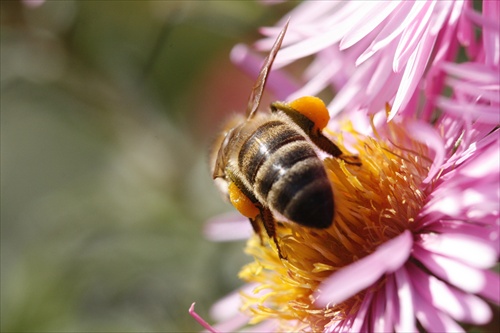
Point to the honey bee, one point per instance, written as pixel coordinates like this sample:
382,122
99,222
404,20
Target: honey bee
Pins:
267,163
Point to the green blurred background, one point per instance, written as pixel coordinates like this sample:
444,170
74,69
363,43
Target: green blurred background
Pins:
107,112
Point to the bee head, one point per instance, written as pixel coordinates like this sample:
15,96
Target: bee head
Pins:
221,147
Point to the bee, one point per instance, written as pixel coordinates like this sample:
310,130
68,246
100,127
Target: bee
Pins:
267,163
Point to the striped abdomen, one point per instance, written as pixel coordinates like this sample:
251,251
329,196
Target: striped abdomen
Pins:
286,174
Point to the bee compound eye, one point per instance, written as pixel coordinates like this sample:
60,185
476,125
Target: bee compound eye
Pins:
313,108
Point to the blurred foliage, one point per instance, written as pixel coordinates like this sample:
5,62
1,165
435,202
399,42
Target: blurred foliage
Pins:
107,110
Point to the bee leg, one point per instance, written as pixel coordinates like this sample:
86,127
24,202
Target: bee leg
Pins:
329,147
270,225
324,143
256,228
351,159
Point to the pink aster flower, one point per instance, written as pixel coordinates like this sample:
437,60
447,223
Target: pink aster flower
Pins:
417,226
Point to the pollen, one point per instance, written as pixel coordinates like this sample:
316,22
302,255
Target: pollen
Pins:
313,108
374,203
241,202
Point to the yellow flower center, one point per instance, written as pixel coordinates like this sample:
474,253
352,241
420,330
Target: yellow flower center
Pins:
374,203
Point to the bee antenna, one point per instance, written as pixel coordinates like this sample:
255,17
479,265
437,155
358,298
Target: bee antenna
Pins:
258,88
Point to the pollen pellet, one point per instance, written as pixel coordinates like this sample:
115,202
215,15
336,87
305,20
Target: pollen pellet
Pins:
241,202
313,108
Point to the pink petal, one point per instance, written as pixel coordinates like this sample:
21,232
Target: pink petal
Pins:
392,303
432,320
345,96
488,20
266,326
454,203
228,306
307,47
475,72
265,44
354,90
400,19
446,47
445,12
228,227
471,189
359,275
278,81
233,324
466,33
490,236
444,204
406,321
312,11
226,311
493,291
316,83
484,164
422,132
361,321
386,93
481,204
308,16
379,77
461,306
491,37
461,275
270,2
414,70
471,89
33,3
467,249
484,113
467,88
380,317
368,23
412,36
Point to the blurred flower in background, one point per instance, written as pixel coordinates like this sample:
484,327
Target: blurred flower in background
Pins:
415,240
104,131
32,3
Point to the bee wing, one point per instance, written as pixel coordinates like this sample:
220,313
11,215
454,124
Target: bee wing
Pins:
258,88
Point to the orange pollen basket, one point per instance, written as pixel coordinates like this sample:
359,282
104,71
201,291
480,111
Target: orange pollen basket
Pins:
313,108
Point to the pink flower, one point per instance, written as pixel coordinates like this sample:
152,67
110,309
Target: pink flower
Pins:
417,227
33,3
